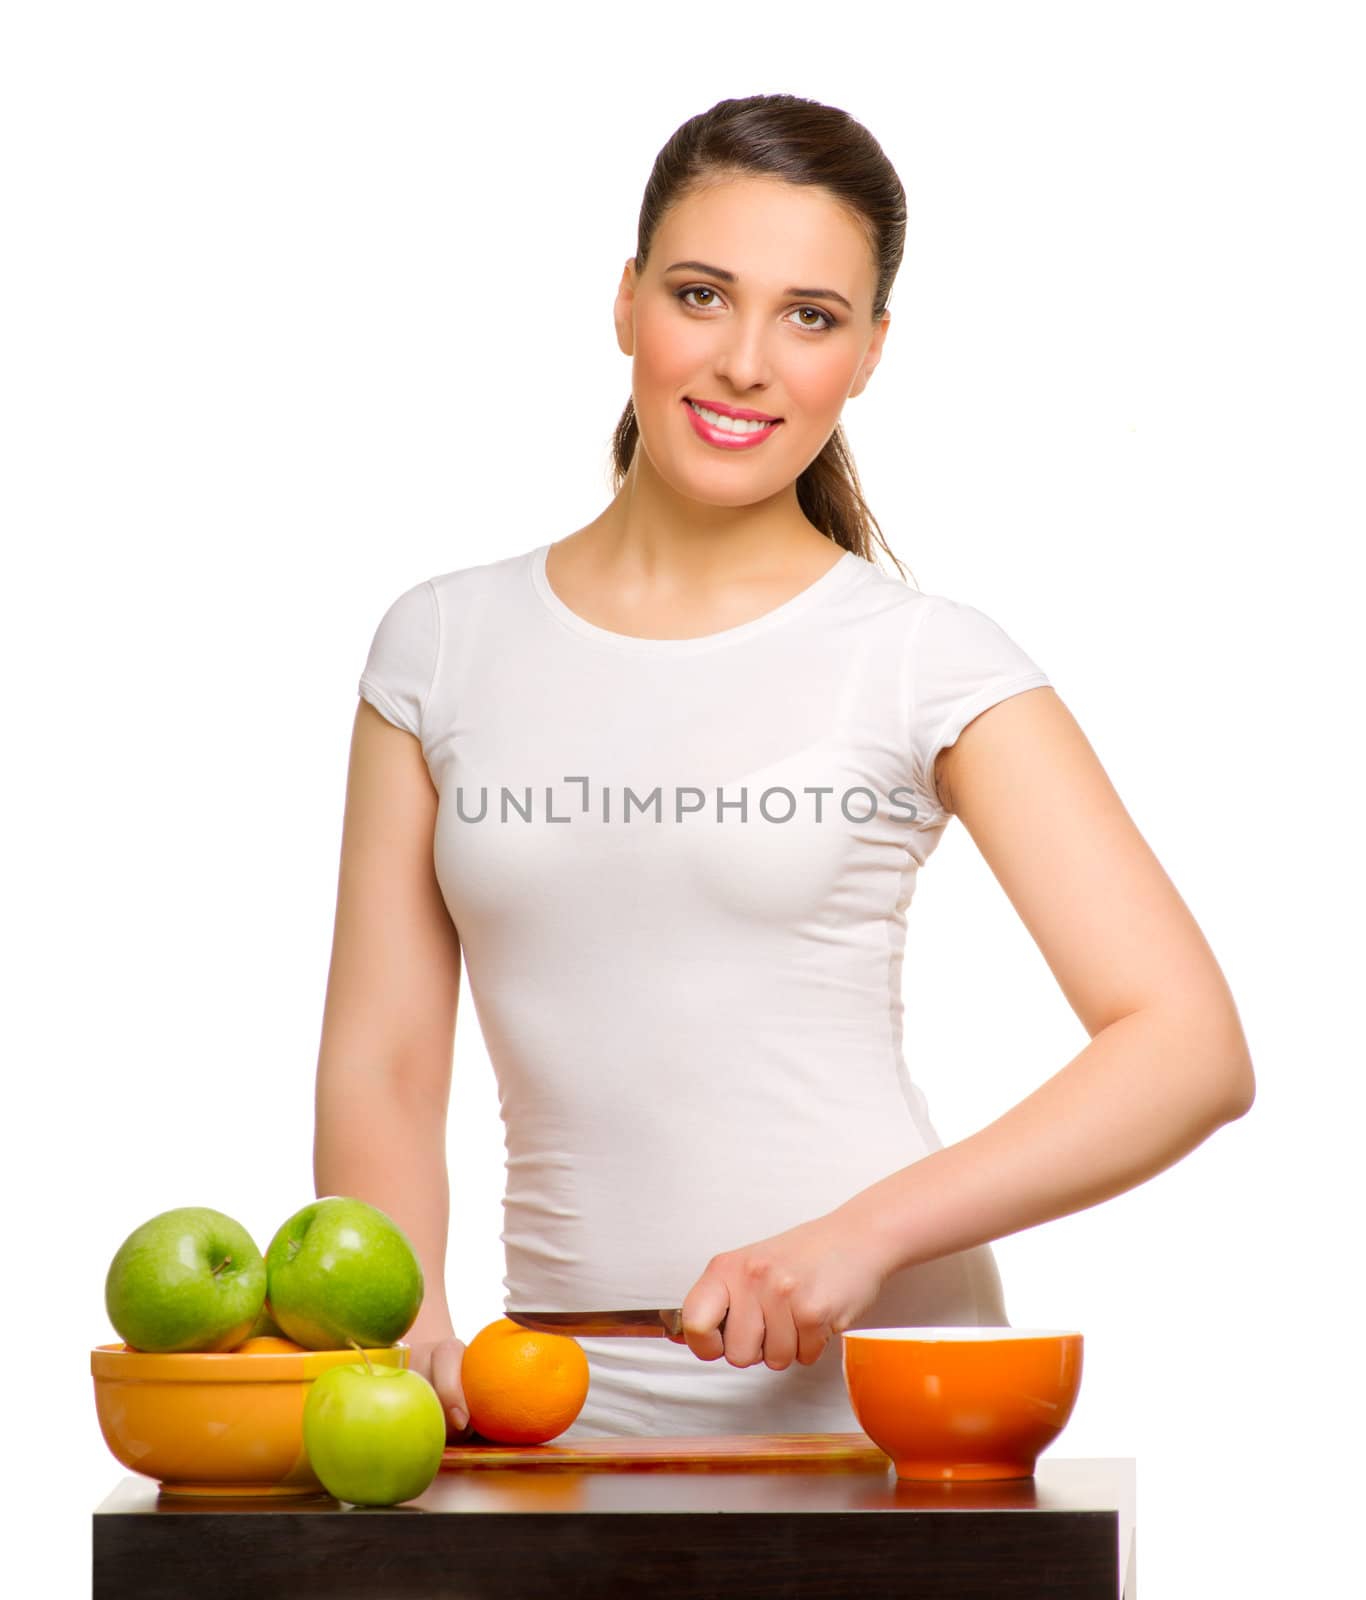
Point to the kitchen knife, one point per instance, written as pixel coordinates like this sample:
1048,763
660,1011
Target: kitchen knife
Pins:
666,1323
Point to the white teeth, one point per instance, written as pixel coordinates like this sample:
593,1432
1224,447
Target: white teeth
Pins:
728,424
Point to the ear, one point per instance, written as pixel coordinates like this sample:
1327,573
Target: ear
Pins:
623,312
873,356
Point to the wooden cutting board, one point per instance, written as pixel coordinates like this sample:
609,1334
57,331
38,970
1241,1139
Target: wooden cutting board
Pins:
731,1452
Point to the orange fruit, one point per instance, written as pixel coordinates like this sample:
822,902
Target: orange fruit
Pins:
522,1387
265,1344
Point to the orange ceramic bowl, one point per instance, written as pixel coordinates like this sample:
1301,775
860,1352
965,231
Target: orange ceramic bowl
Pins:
210,1423
958,1404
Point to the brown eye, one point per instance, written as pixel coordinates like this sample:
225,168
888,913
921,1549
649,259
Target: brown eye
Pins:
826,320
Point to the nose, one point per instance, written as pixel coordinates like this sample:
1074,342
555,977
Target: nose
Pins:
742,357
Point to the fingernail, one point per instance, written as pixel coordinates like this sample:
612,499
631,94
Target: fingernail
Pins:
458,1417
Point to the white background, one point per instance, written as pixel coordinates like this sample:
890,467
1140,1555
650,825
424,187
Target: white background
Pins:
306,303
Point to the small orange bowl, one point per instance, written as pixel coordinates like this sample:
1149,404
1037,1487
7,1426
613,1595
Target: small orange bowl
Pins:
962,1404
216,1423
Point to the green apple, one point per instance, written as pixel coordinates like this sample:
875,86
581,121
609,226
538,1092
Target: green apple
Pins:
341,1272
187,1279
374,1435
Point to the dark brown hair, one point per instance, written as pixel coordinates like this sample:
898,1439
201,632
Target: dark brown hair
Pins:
805,142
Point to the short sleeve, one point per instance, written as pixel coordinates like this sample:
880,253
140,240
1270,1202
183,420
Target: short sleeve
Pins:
402,661
961,664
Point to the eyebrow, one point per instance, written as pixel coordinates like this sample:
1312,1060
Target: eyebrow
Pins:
729,277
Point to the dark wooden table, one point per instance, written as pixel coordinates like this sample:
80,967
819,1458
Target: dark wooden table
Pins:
1065,1534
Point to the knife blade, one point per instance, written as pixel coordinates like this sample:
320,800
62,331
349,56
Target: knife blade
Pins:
657,1323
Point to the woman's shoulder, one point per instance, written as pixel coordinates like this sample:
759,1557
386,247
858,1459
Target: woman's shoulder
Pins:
426,620
467,589
930,619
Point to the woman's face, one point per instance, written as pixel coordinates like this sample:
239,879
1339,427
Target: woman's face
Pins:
760,325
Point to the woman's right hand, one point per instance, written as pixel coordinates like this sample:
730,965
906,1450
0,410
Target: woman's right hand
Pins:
438,1360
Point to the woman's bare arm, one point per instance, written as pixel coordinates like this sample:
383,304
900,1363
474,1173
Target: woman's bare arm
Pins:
388,1032
1168,1062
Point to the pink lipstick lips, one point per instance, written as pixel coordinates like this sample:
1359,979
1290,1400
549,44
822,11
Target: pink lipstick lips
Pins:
725,438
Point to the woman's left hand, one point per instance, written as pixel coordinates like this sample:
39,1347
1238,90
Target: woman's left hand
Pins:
785,1298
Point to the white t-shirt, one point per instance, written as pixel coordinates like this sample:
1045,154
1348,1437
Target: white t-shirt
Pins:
680,871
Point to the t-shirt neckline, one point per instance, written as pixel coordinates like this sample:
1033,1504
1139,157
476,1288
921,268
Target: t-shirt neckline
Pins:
832,579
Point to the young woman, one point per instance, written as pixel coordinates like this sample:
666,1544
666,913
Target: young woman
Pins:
665,785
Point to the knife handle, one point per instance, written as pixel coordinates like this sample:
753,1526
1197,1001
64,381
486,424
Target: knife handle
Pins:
674,1327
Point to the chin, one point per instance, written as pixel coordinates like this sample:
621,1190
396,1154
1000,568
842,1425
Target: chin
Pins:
727,488
737,482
